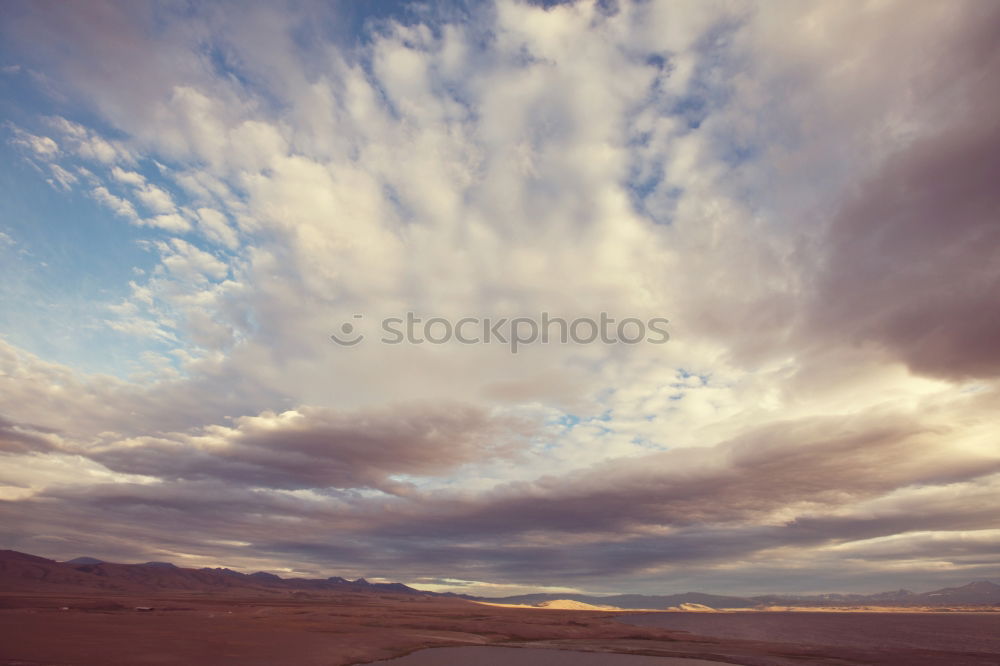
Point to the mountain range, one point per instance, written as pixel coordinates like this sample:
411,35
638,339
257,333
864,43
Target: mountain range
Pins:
980,593
21,572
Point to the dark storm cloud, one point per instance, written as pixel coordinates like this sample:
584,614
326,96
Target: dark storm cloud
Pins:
818,460
710,502
692,507
913,261
319,448
941,510
137,521
498,560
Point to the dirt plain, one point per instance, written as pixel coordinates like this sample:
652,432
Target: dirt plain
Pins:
105,629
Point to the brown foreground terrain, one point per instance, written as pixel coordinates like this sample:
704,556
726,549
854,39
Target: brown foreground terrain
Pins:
358,629
56,613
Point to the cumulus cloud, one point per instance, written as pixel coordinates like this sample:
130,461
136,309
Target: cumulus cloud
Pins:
42,146
118,205
155,199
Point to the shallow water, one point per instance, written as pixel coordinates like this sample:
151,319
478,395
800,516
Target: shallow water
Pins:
504,656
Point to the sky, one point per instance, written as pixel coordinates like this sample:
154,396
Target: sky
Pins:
194,197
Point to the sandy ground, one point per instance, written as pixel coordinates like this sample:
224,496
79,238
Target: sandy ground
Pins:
355,629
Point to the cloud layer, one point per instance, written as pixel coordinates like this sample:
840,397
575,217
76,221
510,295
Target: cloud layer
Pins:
817,220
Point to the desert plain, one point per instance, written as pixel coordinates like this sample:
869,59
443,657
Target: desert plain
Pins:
338,629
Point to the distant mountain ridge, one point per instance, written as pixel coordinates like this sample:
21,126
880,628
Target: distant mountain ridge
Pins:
983,593
979,593
21,572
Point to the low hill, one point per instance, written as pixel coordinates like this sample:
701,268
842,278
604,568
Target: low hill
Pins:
569,604
84,560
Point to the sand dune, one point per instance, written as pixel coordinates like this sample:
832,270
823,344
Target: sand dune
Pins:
569,604
693,608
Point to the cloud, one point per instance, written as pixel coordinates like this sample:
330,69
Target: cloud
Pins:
128,177
155,199
65,179
816,221
118,205
89,144
168,222
789,488
42,146
323,448
213,224
930,212
21,438
753,479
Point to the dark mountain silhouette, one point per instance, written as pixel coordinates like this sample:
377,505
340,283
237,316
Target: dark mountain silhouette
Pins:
260,575
23,572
